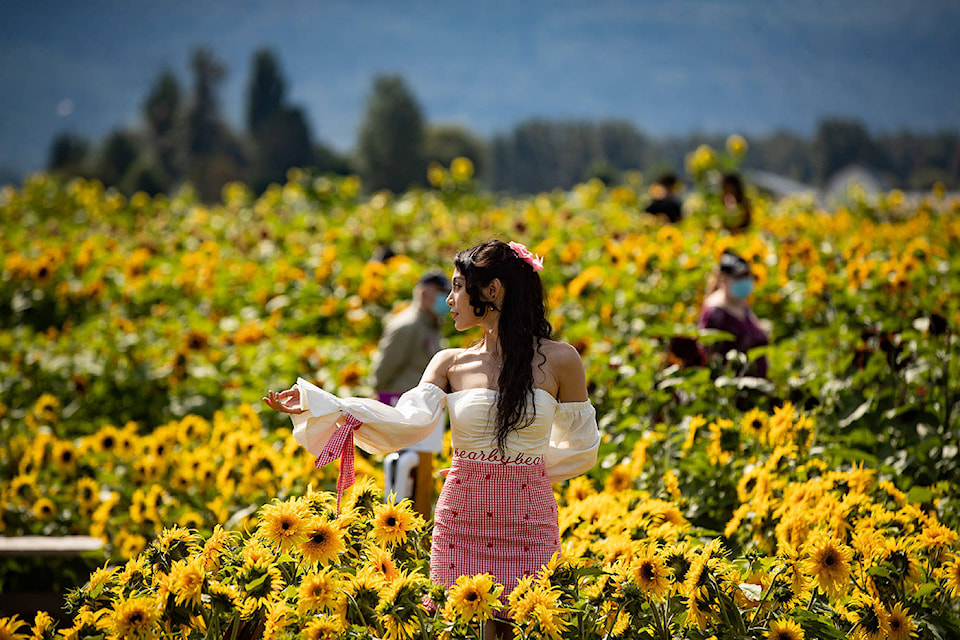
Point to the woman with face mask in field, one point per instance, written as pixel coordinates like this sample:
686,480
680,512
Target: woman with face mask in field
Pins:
725,308
519,414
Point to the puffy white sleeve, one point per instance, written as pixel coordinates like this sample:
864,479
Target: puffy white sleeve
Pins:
384,428
574,441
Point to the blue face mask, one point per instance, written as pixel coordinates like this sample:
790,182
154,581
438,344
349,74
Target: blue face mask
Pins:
440,305
742,288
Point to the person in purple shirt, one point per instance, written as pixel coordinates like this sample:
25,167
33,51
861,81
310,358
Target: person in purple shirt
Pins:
725,308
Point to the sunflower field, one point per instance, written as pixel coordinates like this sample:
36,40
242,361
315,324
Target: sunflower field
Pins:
138,335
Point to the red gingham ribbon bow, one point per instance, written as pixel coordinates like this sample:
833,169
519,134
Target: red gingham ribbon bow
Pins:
341,446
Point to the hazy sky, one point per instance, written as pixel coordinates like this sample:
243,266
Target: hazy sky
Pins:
668,66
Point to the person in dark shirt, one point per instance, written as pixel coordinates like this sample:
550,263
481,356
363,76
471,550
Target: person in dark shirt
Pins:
736,204
725,308
665,201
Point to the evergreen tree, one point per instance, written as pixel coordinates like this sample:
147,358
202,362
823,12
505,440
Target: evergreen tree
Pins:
162,113
68,154
284,141
390,147
120,151
840,142
280,134
214,156
204,124
265,92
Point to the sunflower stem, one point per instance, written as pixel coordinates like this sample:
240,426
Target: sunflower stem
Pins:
657,622
236,626
356,606
766,593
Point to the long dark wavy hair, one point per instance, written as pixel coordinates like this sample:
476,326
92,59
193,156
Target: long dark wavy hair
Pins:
522,321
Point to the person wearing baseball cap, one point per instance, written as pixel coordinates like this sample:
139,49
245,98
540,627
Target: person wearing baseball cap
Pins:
410,339
725,308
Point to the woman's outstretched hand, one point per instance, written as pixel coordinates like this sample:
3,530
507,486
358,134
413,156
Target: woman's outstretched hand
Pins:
285,401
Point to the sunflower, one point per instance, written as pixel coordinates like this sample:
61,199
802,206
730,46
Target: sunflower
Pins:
64,455
130,544
870,618
282,523
323,628
133,618
44,509
134,573
615,548
319,590
392,522
537,607
754,423
785,629
789,588
277,619
700,573
323,543
678,557
174,543
186,581
381,563
255,551
473,597
401,602
23,487
261,583
214,547
829,563
756,479
105,440
363,594
951,574
182,480
398,628
147,469
190,520
42,626
621,624
100,579
578,489
901,557
46,407
901,624
88,492
937,536
780,425
517,599
697,610
10,628
648,571
86,623
223,597
620,479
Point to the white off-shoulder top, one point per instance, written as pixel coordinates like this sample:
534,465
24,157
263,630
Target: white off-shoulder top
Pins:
563,435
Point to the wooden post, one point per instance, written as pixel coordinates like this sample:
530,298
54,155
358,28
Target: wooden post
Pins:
423,485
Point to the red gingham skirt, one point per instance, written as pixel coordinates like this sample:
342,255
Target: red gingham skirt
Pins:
493,518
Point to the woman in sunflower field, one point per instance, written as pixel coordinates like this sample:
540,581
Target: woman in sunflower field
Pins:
725,308
519,413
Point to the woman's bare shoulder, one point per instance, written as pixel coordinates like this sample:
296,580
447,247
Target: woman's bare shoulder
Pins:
439,367
560,354
565,364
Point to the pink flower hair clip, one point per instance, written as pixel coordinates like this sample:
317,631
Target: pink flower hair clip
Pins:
527,256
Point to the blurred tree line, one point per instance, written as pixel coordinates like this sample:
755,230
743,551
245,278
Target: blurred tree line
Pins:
184,138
